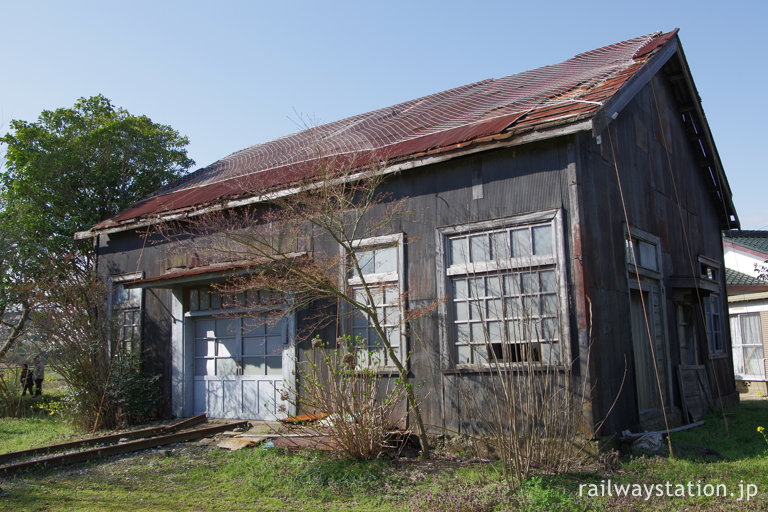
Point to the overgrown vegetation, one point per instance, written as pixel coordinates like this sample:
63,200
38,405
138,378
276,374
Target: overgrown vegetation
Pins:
323,247
192,477
14,404
362,404
65,172
106,385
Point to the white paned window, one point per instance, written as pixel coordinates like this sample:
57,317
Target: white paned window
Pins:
376,281
126,311
245,345
746,333
505,294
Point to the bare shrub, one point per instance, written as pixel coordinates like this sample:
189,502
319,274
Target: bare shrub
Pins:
10,392
362,404
306,244
106,386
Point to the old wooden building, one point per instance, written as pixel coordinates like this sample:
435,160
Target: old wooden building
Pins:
589,193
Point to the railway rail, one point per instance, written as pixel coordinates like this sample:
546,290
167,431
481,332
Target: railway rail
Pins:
109,445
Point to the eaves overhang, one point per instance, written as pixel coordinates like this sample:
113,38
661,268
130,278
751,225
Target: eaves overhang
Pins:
671,62
593,89
203,274
511,137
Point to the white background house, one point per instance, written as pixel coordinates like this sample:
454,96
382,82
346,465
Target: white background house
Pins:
745,252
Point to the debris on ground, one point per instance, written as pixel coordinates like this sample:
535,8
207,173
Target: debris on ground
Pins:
304,418
236,443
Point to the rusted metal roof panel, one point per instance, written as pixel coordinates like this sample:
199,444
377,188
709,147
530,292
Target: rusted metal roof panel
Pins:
570,91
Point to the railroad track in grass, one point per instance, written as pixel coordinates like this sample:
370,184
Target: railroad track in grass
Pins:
106,446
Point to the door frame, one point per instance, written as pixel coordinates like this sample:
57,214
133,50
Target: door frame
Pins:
285,380
182,355
649,279
651,288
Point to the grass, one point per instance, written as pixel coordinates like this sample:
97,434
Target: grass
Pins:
20,434
195,477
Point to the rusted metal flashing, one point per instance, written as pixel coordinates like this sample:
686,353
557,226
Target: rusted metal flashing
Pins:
519,137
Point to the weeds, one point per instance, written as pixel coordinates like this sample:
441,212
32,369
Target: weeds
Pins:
462,498
191,477
761,430
362,404
342,473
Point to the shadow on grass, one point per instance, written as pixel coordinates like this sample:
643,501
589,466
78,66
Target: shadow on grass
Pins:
727,435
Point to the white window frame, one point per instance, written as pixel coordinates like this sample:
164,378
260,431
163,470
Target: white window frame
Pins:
713,314
514,265
738,346
387,279
125,311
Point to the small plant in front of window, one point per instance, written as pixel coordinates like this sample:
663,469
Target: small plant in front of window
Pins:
360,402
507,316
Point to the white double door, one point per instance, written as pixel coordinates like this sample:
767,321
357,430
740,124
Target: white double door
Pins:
241,366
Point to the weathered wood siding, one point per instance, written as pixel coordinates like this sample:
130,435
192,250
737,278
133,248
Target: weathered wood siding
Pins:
513,181
664,194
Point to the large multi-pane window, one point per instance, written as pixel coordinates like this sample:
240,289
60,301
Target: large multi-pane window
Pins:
747,337
247,345
505,299
126,311
376,282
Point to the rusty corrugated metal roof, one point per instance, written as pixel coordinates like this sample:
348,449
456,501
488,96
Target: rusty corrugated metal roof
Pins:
563,93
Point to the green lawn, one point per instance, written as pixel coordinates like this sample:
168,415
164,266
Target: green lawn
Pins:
192,477
20,434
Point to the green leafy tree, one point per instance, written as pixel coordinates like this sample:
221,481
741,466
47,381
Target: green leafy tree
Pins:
64,173
77,166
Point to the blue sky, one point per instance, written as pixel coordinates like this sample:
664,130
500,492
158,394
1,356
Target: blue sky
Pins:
232,74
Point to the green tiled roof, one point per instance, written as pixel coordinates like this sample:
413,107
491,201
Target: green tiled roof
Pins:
735,278
757,240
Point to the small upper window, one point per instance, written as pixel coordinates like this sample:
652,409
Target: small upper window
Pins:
209,298
376,260
708,270
642,253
